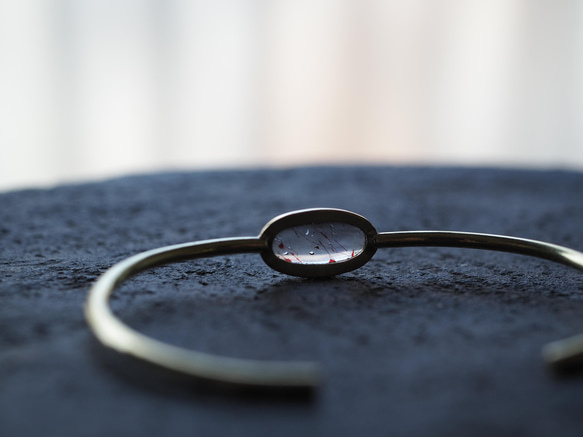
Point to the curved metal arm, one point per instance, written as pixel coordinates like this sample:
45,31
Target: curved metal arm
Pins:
559,354
112,333
472,240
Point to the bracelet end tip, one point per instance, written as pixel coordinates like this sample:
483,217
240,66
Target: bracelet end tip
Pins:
566,354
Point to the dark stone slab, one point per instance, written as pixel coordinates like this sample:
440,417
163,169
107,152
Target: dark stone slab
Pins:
420,341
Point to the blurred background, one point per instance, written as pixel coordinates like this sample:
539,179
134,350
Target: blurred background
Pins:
92,89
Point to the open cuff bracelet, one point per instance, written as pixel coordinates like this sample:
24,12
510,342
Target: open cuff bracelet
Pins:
307,243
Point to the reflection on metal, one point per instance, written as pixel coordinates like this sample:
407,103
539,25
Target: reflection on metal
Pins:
344,241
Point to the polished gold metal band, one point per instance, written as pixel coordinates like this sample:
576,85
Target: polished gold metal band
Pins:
114,334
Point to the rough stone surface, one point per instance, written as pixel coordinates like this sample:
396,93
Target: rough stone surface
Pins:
420,341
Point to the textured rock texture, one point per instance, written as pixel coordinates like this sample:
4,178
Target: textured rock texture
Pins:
420,341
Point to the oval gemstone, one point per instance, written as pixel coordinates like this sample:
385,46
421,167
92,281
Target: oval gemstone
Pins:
319,243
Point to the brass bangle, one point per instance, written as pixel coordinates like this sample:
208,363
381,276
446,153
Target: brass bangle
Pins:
307,243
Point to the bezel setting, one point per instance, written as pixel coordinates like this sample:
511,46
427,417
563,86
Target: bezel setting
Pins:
309,217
